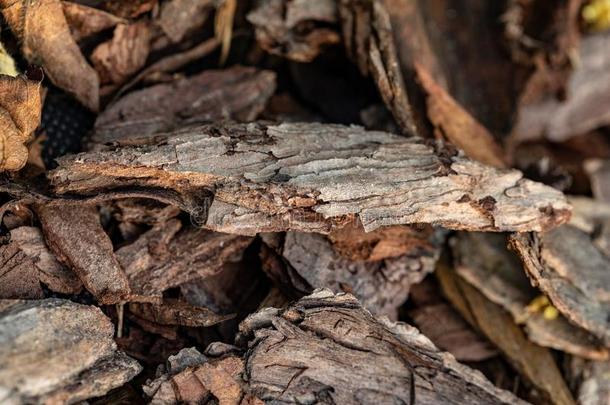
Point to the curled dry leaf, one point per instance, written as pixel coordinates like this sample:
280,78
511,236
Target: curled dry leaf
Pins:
20,111
238,93
45,38
295,29
251,178
307,350
86,21
56,351
122,56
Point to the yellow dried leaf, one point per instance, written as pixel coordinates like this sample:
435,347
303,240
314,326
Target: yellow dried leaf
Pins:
597,15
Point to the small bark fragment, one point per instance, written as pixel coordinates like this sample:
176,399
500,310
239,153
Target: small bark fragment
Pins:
295,29
174,312
20,111
53,274
122,56
382,285
572,272
304,353
169,255
86,21
18,274
593,381
440,323
251,178
75,235
180,17
238,93
57,351
45,38
533,362
498,274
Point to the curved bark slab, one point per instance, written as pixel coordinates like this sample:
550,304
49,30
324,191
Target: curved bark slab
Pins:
250,178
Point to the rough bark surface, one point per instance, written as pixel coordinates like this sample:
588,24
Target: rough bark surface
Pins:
238,93
326,348
57,351
74,233
498,274
251,178
381,286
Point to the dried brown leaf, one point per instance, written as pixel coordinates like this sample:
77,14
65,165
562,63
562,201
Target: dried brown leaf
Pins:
45,38
20,112
87,21
122,56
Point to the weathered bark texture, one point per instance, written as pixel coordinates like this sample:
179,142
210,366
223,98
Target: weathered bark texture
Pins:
173,312
171,254
251,178
310,262
74,233
498,274
238,93
56,351
326,348
572,272
593,381
535,363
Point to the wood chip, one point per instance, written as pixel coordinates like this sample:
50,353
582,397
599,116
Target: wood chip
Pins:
381,286
174,312
75,235
169,255
306,351
42,30
57,351
238,93
255,178
180,17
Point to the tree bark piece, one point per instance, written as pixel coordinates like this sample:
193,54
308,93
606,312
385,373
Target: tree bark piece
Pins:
533,362
169,255
251,178
57,351
569,269
75,235
174,312
381,286
53,274
327,348
498,274
238,93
